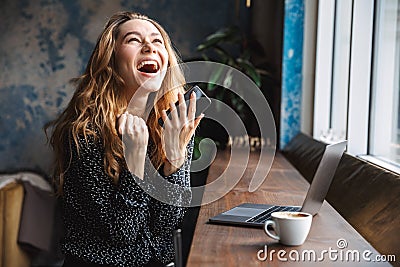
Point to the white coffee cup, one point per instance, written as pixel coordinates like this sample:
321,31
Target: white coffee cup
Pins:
291,228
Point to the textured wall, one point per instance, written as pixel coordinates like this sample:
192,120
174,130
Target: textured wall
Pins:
292,61
45,43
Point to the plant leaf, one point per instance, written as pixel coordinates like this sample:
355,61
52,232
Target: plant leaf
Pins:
225,57
215,76
250,70
214,39
224,35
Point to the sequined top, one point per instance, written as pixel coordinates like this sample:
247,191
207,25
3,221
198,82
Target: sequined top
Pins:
120,224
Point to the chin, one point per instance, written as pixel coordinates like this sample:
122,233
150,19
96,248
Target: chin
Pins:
152,84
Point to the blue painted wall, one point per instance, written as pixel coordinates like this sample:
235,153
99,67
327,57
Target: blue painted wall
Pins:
291,70
43,44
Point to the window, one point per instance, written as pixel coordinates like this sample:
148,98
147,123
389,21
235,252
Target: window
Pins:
385,120
341,66
357,77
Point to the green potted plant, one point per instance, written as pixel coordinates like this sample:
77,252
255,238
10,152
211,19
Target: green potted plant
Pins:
230,46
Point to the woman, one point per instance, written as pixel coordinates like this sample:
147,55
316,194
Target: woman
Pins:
110,149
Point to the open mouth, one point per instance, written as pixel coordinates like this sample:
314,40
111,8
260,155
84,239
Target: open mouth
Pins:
148,66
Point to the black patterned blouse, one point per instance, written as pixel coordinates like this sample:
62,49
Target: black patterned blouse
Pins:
120,225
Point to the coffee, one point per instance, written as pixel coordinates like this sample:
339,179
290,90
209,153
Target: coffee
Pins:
291,215
294,215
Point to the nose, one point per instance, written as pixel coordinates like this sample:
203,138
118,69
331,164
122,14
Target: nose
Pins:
148,47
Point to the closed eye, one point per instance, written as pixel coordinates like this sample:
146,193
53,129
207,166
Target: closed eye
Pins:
134,39
157,40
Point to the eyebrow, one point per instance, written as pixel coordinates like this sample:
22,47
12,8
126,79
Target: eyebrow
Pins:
138,33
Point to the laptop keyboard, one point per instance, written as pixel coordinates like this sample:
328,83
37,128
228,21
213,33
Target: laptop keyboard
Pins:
265,215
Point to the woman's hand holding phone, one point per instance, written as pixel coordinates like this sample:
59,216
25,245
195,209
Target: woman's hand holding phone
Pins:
202,103
178,130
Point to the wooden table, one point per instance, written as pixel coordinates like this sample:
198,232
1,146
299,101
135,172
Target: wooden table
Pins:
221,245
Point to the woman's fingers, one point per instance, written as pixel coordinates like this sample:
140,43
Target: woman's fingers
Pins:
190,124
164,116
182,108
173,113
129,124
192,107
197,120
121,123
133,126
179,130
191,127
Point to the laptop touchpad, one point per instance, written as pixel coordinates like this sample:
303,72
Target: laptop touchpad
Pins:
238,211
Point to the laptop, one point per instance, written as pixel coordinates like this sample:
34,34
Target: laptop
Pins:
249,214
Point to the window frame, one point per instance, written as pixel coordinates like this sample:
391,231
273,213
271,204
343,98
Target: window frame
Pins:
360,79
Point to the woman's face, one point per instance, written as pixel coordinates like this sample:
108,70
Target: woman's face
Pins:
141,56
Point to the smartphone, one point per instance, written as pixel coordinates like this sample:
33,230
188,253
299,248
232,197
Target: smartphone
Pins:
202,103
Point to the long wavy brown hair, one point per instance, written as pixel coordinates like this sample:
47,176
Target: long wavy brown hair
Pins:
98,100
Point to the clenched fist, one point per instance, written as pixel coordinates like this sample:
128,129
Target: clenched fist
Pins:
135,137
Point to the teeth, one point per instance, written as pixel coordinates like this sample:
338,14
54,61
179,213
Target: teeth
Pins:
147,62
